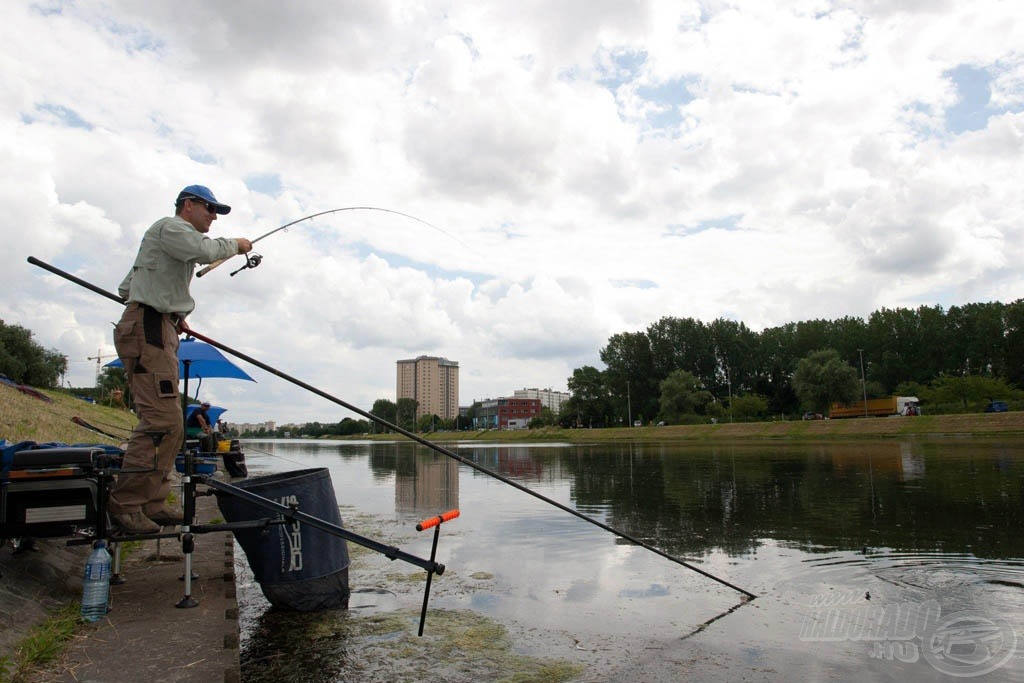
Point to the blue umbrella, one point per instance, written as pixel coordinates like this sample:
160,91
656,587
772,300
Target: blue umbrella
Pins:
197,359
213,412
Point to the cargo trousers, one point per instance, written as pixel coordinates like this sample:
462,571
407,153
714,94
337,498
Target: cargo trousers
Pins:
147,344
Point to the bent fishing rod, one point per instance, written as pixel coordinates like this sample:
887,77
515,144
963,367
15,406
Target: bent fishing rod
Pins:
254,260
414,437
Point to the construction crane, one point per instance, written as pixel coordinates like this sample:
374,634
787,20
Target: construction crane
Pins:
99,357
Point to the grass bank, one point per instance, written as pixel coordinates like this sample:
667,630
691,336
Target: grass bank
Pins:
27,418
38,607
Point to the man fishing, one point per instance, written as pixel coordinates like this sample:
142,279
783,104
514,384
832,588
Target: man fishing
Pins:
146,338
198,424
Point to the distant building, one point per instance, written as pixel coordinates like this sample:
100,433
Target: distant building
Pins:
251,427
506,413
433,383
552,400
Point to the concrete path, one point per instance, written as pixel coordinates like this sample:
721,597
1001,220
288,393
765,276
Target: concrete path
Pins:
146,638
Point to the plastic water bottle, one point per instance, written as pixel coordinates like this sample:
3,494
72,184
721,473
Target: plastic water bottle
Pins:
96,583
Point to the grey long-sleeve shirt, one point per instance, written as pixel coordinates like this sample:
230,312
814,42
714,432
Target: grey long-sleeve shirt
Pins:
167,258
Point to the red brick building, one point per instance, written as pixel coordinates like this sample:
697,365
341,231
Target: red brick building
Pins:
506,413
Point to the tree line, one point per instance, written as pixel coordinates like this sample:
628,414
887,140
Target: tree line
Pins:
24,361
682,369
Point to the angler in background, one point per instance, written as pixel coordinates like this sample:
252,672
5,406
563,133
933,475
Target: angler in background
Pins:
146,338
198,425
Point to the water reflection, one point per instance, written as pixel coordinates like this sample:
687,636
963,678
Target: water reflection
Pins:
691,500
887,522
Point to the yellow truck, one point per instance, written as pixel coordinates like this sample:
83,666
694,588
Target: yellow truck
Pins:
876,407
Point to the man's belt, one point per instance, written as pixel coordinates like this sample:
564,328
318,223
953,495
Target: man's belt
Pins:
152,323
173,317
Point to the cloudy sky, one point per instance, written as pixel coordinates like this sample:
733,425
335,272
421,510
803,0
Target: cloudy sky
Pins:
586,167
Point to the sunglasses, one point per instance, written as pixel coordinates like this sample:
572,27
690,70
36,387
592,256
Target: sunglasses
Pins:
202,202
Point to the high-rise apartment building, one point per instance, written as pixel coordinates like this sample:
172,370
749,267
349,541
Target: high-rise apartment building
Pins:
433,383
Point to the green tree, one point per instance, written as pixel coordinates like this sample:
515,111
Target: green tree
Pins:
25,361
405,413
682,394
629,377
734,347
349,426
968,392
589,405
901,347
546,418
1013,355
428,423
823,378
385,410
773,368
749,407
681,344
977,336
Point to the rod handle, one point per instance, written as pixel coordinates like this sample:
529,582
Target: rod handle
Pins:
203,271
434,521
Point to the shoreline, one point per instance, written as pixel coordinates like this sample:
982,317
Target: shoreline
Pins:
976,425
26,418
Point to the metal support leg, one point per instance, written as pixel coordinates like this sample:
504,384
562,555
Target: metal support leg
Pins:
188,494
115,575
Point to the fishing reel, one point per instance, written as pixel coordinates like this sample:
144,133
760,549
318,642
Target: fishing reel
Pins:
252,261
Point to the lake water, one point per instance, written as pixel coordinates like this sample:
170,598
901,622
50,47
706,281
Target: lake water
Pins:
895,560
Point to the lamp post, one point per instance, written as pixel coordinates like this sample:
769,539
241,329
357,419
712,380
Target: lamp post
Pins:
728,381
863,383
629,405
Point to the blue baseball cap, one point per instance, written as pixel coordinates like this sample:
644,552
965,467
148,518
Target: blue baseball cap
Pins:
203,192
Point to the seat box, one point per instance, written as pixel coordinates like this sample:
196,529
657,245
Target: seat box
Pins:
46,507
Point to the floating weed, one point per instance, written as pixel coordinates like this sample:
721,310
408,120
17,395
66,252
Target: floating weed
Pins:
545,673
457,646
402,577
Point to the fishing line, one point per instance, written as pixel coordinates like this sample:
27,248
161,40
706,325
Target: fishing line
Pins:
250,447
254,259
420,440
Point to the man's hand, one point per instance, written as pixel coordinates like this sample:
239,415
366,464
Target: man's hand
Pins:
244,245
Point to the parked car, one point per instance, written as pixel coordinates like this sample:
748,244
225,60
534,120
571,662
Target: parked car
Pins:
813,416
996,407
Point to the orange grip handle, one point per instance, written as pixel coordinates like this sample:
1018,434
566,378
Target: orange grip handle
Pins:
440,519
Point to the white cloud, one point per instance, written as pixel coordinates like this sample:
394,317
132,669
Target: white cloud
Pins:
596,166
